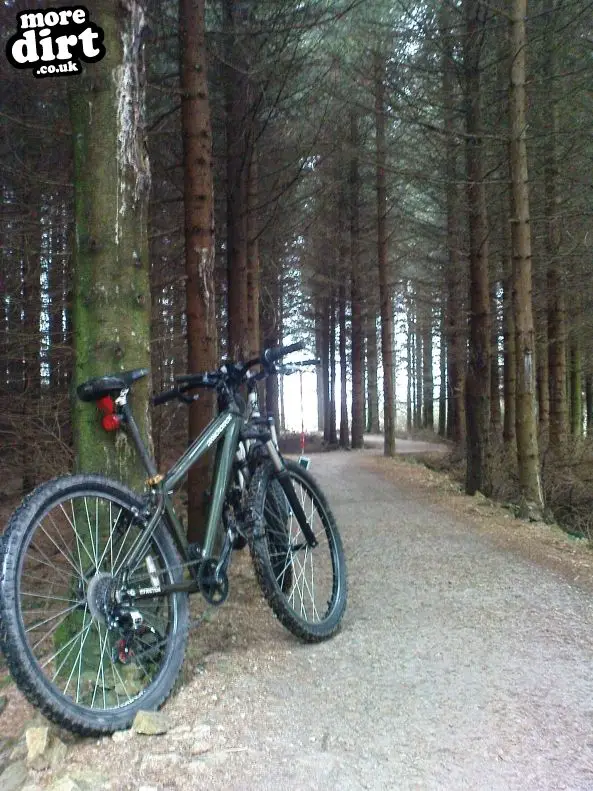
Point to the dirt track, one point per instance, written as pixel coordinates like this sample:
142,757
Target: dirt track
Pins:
462,664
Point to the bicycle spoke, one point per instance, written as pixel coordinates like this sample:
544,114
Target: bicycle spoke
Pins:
51,618
49,598
70,562
65,659
111,531
64,647
74,530
91,536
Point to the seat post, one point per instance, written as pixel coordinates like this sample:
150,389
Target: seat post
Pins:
134,432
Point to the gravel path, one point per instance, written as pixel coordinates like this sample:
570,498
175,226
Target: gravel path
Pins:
460,665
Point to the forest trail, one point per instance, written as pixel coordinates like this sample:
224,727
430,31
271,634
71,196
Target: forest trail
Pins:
462,664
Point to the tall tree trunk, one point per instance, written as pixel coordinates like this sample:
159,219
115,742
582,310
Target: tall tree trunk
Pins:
325,366
356,297
454,331
526,425
410,378
385,291
343,271
509,359
321,394
31,339
557,341
542,376
344,427
333,435
495,410
576,387
443,379
372,383
271,334
200,311
238,158
589,403
253,276
478,374
111,310
427,374
418,369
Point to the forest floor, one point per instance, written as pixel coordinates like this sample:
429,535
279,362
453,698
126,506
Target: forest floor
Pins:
464,661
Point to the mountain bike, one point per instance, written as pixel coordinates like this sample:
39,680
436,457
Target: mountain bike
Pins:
95,577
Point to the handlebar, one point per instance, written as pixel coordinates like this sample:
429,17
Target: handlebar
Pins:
166,395
293,368
271,355
233,374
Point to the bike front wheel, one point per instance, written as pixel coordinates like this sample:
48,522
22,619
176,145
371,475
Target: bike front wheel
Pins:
82,651
305,586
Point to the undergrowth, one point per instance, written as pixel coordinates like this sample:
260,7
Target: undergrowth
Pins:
567,481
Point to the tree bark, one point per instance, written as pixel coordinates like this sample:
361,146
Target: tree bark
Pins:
478,374
385,291
509,358
253,275
325,366
333,435
111,311
589,403
344,423
427,374
356,296
31,337
200,310
495,410
238,158
372,383
526,424
319,353
443,379
557,334
454,331
418,369
576,387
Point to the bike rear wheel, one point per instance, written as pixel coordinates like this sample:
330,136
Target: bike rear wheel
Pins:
305,586
88,656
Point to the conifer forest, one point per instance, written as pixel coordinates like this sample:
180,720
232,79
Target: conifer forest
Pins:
404,186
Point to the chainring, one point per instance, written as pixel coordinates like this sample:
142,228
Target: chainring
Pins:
214,591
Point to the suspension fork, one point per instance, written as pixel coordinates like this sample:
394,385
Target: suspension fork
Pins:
283,477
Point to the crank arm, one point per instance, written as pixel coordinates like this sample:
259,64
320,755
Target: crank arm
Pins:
225,556
153,593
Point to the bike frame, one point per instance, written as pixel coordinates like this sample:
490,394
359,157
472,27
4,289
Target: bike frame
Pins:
226,427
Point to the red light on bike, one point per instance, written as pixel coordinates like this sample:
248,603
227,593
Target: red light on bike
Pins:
106,405
111,422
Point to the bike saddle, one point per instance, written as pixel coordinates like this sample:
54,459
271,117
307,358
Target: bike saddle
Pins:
100,386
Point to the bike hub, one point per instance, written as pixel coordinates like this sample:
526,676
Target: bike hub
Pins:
98,595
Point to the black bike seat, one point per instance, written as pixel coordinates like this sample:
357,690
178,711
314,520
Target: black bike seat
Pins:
99,386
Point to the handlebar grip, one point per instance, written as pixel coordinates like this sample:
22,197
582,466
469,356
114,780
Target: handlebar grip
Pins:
271,355
197,380
167,395
316,361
